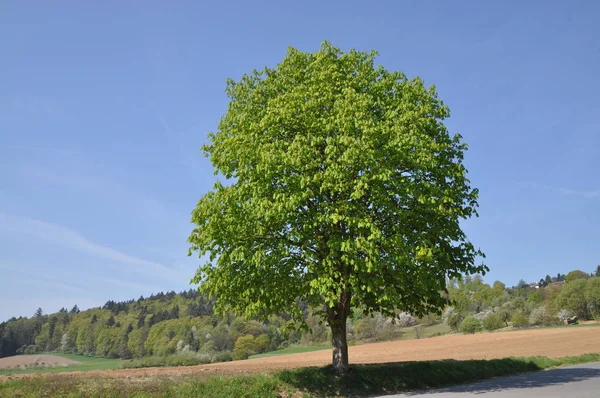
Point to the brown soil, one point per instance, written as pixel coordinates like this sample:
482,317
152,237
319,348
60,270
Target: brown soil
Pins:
34,360
556,342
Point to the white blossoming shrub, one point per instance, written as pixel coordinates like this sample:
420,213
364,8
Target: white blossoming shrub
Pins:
405,320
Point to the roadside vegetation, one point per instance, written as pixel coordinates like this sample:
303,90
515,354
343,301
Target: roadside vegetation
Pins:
364,380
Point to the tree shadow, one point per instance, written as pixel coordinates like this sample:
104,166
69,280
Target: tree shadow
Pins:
382,379
554,377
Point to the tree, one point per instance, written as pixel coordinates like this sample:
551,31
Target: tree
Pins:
572,298
492,322
548,280
519,319
597,273
344,189
504,315
75,309
522,284
592,296
576,274
470,325
38,313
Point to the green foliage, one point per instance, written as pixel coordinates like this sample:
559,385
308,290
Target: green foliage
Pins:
492,322
171,360
519,319
504,315
454,321
540,316
244,347
470,325
576,274
334,168
572,298
592,296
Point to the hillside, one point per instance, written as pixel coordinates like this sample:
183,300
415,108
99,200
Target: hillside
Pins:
170,323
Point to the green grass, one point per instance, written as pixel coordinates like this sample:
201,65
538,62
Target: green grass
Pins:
366,380
292,350
410,333
87,363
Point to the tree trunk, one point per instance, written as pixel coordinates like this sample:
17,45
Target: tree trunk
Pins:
340,346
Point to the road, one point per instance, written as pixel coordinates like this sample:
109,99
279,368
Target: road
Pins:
581,381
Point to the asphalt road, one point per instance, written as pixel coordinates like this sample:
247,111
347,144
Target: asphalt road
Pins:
579,381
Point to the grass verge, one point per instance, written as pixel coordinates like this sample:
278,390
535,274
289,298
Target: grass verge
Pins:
292,350
365,380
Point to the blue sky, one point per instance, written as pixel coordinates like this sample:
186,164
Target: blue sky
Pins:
104,106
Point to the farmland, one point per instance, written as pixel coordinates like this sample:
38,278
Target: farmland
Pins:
551,342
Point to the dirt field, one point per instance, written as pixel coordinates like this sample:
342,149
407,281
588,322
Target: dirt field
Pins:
31,360
556,342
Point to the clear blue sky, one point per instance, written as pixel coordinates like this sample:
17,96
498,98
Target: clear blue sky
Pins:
103,108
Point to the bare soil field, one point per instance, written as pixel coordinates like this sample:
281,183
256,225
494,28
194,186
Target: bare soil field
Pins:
34,360
554,342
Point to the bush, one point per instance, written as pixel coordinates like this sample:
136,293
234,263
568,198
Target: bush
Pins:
540,316
470,325
493,322
172,360
504,315
405,320
223,357
563,315
244,347
519,319
454,321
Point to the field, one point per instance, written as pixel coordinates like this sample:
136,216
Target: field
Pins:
53,363
552,342
380,368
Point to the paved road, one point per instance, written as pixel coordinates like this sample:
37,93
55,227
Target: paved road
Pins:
581,381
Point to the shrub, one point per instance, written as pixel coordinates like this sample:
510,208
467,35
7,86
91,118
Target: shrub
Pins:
540,316
454,321
493,322
223,357
519,319
172,360
405,320
449,311
504,315
480,316
470,325
563,315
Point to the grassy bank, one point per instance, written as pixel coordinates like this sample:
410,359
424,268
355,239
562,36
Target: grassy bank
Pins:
87,363
364,380
292,350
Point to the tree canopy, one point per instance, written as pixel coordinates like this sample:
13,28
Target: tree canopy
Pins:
343,188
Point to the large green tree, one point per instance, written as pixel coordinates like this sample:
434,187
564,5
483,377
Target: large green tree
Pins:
343,188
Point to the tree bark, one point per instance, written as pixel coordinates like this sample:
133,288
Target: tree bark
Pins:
340,345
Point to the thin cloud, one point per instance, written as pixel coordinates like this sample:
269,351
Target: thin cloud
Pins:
65,237
564,191
47,281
